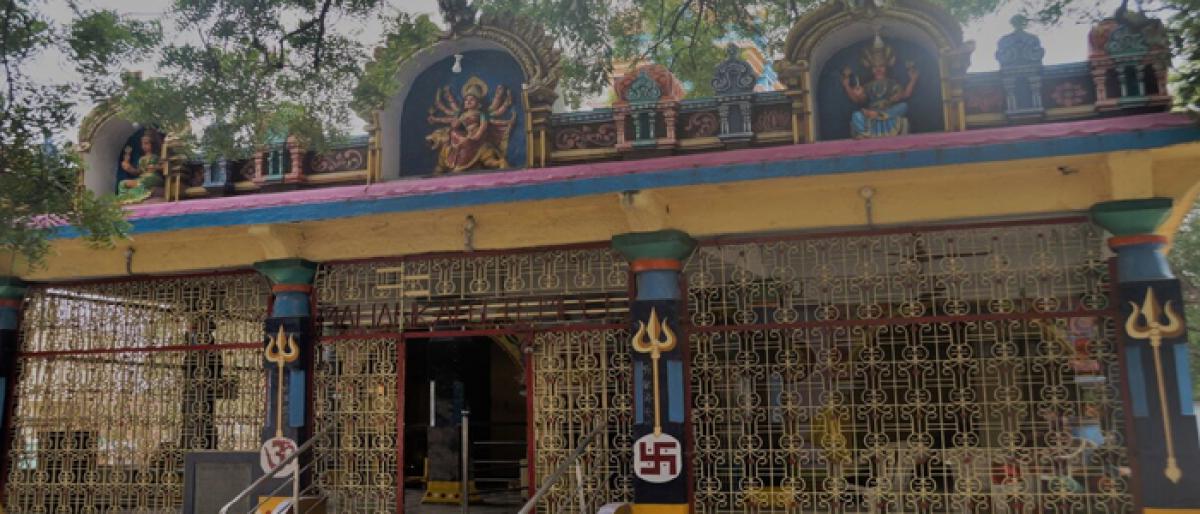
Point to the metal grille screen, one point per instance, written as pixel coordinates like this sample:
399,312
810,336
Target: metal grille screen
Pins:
117,381
356,390
960,370
477,291
581,379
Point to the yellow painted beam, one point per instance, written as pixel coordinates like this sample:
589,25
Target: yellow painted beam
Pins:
995,190
645,211
1131,174
1179,175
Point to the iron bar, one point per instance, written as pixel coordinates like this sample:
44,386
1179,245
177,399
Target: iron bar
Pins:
274,471
466,460
561,469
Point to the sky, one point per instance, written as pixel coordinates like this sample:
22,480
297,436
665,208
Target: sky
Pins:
1066,42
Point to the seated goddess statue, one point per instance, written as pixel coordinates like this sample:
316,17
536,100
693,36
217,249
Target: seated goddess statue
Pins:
147,173
473,135
884,110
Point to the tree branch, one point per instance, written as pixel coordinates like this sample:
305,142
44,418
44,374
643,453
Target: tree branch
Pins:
320,36
670,32
9,5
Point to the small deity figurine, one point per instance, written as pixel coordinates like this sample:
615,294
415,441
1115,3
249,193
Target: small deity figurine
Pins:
147,172
884,109
474,137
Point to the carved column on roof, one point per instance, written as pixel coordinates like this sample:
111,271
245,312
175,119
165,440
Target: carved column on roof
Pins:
296,151
795,77
1129,57
644,95
955,61
1020,56
260,166
175,167
533,49
733,81
374,171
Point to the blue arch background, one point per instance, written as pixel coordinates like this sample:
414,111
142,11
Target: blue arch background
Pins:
492,66
834,108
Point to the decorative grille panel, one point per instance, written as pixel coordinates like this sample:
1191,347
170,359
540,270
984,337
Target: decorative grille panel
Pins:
145,314
966,370
474,291
997,271
355,387
118,381
582,378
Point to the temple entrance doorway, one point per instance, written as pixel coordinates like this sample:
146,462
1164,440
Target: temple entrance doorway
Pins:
478,380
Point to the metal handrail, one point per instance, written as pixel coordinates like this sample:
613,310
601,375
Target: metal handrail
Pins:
271,474
561,469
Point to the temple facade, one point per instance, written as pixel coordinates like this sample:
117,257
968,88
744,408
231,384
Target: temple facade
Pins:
893,286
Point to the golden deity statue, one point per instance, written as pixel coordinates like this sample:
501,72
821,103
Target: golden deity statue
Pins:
883,103
474,137
147,172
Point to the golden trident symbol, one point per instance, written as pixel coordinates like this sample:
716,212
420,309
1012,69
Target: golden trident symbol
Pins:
1155,332
281,350
654,340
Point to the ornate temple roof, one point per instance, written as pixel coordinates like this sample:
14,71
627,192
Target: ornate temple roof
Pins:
868,88
821,158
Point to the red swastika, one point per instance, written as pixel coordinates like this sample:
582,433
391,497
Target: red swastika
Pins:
652,457
283,449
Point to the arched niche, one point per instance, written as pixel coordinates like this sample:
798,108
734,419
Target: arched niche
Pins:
103,135
834,109
523,43
821,39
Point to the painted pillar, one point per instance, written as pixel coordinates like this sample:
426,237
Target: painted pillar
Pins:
287,357
656,350
12,296
1164,447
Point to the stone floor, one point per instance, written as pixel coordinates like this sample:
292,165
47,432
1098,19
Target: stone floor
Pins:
493,504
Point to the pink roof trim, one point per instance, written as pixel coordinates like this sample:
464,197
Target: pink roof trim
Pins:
829,149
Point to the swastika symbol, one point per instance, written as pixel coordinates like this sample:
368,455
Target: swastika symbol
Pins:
654,456
273,452
657,459
282,449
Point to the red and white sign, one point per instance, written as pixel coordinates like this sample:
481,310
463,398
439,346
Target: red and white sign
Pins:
273,452
657,459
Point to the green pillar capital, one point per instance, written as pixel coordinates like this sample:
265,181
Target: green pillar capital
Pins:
11,288
1131,217
669,244
1132,224
12,295
288,272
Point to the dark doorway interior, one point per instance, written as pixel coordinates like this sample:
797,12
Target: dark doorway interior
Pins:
443,376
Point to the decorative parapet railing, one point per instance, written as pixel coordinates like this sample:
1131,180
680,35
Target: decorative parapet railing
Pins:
592,135
281,166
1066,92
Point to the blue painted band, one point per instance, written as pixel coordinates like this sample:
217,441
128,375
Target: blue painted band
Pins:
883,161
295,398
291,304
658,285
1137,381
675,397
1137,263
1183,379
9,319
3,398
639,382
